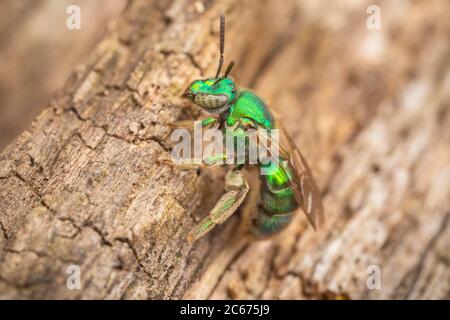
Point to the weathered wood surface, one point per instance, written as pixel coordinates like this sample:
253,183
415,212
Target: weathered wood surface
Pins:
369,109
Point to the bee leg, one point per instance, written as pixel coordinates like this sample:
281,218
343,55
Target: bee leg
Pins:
210,161
236,188
191,124
216,160
188,125
165,159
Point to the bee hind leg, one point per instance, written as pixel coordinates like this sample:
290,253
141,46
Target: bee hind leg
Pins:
236,189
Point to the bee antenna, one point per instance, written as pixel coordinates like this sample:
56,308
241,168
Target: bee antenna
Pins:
229,68
222,44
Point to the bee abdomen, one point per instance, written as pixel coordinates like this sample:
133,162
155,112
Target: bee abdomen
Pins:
276,208
266,224
279,201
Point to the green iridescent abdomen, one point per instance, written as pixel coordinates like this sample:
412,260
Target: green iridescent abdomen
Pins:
277,197
277,194
278,202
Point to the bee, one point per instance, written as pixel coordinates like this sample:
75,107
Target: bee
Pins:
288,185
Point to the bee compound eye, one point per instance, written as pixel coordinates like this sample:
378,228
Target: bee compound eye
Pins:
211,101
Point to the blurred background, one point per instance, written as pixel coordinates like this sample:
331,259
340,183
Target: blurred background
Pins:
37,53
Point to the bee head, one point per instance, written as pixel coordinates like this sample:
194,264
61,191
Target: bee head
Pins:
214,94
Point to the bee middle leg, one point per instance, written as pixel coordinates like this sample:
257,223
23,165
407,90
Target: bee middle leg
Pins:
215,160
236,188
190,125
209,161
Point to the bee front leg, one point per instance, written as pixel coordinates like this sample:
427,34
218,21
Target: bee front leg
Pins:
236,188
209,161
215,160
190,124
165,159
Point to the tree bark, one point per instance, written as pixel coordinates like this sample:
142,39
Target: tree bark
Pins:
368,108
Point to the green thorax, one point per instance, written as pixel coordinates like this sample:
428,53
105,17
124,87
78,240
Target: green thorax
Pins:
249,106
277,193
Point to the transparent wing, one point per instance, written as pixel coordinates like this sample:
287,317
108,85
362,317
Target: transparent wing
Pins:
305,189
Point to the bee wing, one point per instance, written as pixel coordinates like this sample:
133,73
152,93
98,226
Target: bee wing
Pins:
305,189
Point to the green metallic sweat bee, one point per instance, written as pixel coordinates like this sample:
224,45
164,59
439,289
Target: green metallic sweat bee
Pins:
289,184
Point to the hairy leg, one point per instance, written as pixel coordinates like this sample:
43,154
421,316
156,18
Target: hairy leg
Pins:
236,188
190,124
